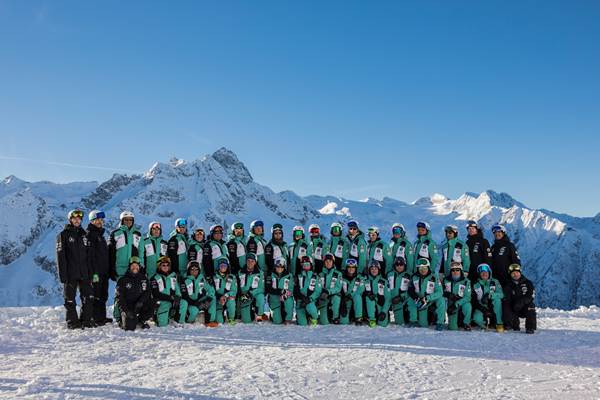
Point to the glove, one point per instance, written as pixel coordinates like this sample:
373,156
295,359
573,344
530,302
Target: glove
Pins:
223,300
95,278
205,305
245,299
371,296
325,292
324,296
396,300
452,308
422,303
381,316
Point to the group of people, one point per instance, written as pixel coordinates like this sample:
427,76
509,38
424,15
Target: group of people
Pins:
212,279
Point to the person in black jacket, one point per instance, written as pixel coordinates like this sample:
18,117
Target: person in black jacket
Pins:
479,250
519,294
72,249
135,297
99,264
504,253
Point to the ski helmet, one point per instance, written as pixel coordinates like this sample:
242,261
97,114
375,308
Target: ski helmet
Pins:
277,227
514,267
181,222
96,214
499,228
314,228
336,226
374,229
77,213
472,223
237,225
484,268
398,229
451,228
423,224
126,214
151,224
352,224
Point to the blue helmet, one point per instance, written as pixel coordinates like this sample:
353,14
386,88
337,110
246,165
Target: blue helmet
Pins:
484,268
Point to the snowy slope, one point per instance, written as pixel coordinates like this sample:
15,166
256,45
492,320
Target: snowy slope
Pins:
42,359
557,249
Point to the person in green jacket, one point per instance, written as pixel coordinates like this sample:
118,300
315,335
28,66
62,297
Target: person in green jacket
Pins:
425,247
457,289
124,243
177,247
236,247
255,243
338,246
198,302
196,245
488,300
330,298
226,289
377,296
399,281
281,289
426,295
165,290
252,291
318,246
298,250
353,287
378,250
357,246
453,250
308,290
400,246
152,248
276,248
214,248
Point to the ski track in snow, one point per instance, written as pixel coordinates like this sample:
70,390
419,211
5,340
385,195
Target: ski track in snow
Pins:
41,359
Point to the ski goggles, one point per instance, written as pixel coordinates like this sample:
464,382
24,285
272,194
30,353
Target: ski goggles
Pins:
315,231
298,233
514,267
306,265
351,263
199,230
336,230
373,230
77,214
217,231
239,225
280,263
397,230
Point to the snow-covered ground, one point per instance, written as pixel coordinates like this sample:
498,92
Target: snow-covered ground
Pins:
40,359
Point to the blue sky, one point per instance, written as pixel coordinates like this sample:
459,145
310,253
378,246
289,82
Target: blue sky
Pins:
346,98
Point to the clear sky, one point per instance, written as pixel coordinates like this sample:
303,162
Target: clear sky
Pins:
346,98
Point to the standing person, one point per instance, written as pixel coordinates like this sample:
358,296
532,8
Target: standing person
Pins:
357,246
457,289
198,301
226,289
330,298
338,246
177,247
353,287
400,246
72,248
399,280
153,247
298,250
252,291
377,296
255,243
280,293
318,246
488,300
123,244
453,250
480,251
308,290
504,253
274,250
426,295
425,247
196,245
378,250
519,301
98,257
236,248
165,291
215,248
136,299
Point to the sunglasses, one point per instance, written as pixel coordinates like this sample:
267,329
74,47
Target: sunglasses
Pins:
396,231
352,228
156,227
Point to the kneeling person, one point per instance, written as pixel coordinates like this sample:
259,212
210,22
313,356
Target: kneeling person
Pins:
329,300
197,297
165,291
281,289
399,283
308,291
252,291
488,299
226,290
377,296
457,289
518,303
135,299
426,295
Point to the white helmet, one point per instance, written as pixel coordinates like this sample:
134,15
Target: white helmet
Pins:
125,214
298,228
314,226
95,214
337,224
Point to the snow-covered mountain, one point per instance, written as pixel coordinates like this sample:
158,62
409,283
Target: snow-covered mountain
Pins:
561,253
